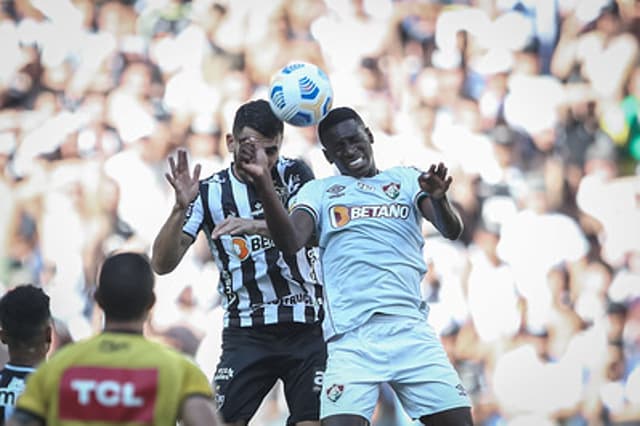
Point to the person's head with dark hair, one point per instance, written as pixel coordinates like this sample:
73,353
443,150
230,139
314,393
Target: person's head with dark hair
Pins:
256,123
125,290
347,142
608,19
258,115
25,318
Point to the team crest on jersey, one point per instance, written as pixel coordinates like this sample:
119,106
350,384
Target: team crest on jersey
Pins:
392,190
335,392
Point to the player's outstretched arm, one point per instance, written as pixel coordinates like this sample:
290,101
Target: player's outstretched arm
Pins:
171,243
290,233
436,208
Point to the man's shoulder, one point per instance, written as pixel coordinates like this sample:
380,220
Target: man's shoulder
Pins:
289,161
401,169
326,182
400,173
219,177
90,351
290,165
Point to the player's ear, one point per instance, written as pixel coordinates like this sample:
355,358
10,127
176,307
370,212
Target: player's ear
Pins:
3,337
230,141
48,334
97,296
327,155
152,301
369,134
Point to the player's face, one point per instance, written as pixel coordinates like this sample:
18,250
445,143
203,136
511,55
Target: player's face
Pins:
348,146
248,135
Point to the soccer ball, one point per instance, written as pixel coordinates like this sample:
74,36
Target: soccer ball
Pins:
300,94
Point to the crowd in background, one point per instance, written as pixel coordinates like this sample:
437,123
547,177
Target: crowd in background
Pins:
532,104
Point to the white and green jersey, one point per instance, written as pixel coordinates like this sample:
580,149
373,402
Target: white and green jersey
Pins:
370,239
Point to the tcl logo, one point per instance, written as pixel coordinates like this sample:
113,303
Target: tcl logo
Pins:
108,394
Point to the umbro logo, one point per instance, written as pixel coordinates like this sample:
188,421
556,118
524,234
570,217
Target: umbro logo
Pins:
335,189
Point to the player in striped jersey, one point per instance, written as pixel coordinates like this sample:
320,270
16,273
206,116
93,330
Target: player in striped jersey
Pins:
273,304
26,330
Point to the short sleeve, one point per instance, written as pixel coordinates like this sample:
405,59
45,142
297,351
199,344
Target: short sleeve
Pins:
194,218
196,382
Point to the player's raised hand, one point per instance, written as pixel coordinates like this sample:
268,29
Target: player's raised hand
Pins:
184,184
435,181
253,161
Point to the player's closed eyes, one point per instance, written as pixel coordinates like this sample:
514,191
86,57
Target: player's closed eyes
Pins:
271,150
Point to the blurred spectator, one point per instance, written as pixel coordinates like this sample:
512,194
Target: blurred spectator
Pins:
532,105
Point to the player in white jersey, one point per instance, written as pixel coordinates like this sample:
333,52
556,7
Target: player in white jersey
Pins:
368,224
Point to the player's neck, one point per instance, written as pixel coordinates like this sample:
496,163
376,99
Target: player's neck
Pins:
26,357
237,174
133,326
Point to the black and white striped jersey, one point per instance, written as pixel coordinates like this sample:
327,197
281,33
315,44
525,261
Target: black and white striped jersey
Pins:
259,284
12,380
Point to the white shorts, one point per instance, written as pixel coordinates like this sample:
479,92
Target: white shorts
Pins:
404,352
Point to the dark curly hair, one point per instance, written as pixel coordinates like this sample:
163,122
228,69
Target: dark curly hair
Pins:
24,313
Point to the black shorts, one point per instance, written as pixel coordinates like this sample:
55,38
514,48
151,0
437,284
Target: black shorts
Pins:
253,359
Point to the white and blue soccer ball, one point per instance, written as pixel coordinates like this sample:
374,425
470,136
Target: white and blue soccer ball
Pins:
300,94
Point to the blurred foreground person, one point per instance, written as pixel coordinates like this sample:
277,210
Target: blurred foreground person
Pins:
26,324
118,377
